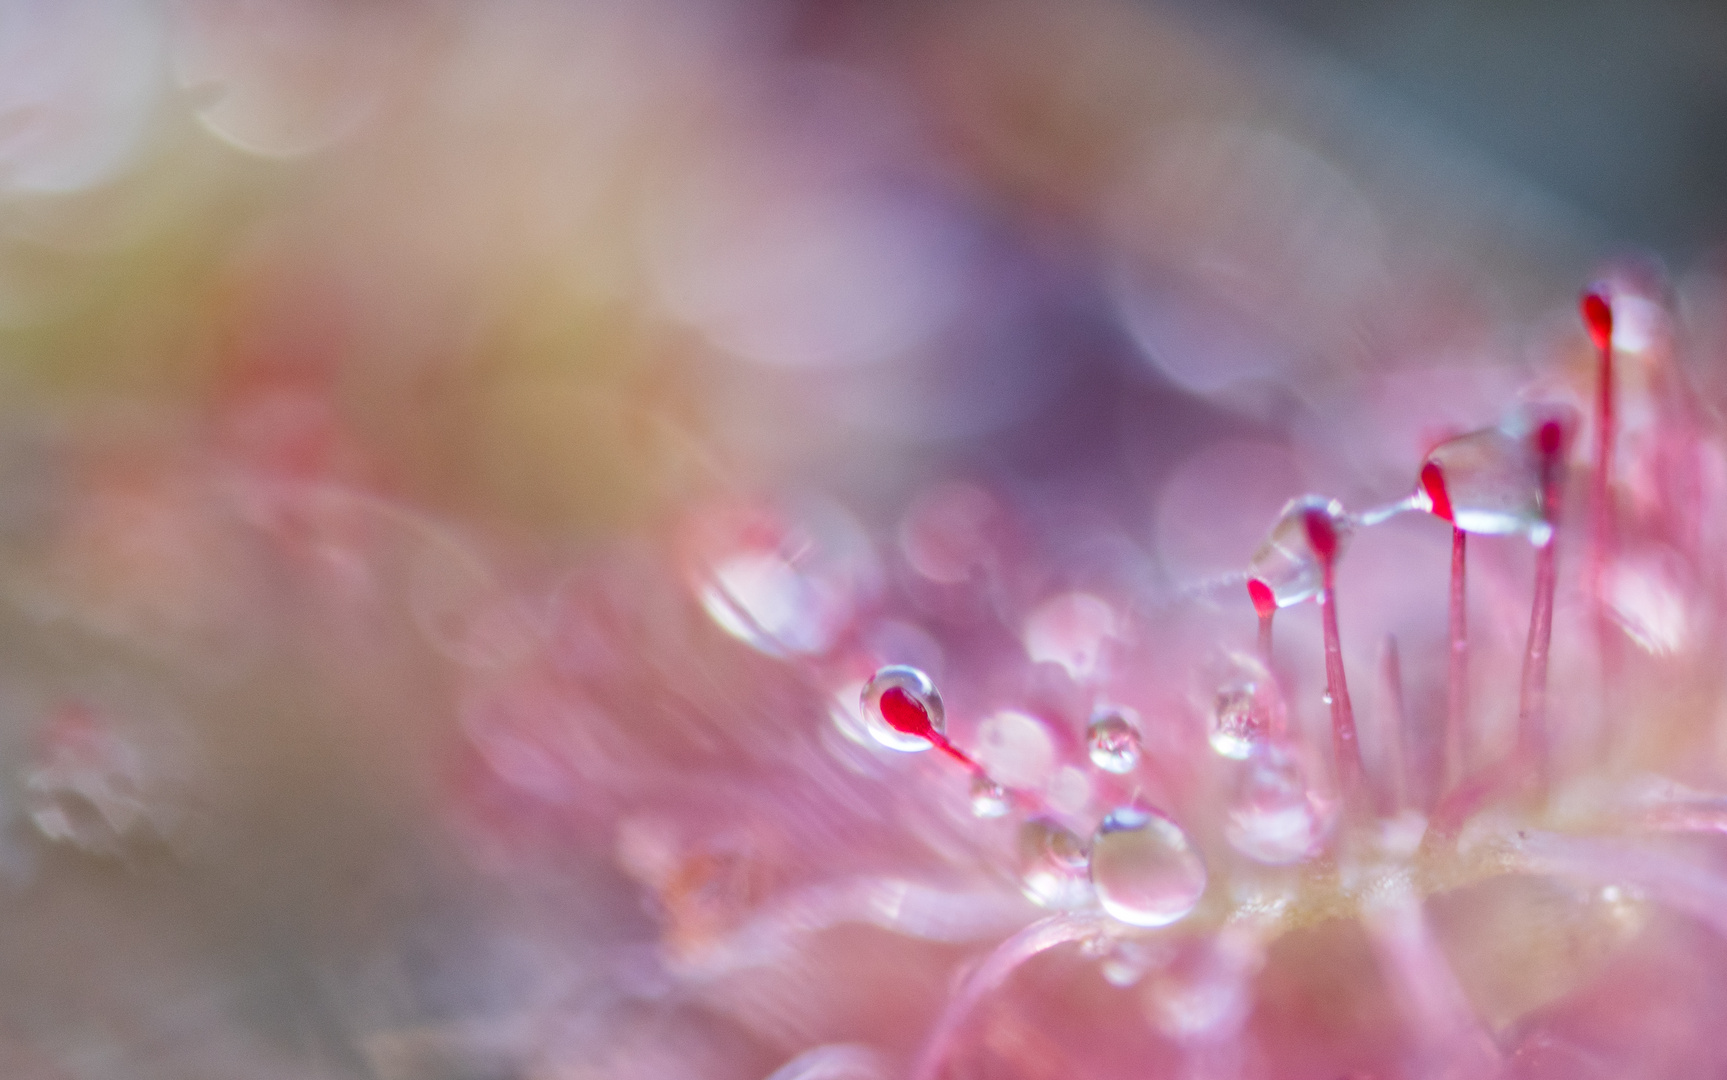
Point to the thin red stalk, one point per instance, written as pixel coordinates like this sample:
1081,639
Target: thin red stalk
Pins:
946,746
1532,702
1598,318
1351,773
1397,734
1459,746
1462,801
1532,743
1265,606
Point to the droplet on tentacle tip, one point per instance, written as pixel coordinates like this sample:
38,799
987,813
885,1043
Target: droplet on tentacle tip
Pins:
902,709
1052,865
1112,741
1275,817
1144,868
1491,481
1290,563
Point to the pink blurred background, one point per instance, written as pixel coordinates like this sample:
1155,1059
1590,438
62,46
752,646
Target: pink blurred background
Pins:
458,463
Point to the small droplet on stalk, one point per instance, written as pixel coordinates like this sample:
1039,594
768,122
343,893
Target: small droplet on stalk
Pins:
1288,568
1486,482
1112,742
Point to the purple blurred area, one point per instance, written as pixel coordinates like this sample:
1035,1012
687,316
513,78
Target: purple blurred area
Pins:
459,462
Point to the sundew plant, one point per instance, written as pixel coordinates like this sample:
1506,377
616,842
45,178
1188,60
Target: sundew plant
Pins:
800,541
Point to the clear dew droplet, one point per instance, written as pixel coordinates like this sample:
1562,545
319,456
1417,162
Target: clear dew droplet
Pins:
901,709
1052,865
1287,562
1275,817
1236,722
988,798
1486,482
1491,481
1144,868
1112,740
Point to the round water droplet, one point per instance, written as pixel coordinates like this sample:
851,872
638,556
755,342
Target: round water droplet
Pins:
1113,741
1237,724
1144,869
988,798
1291,561
1052,865
1275,817
902,709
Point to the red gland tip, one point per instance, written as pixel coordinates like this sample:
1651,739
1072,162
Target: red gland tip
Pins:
1438,499
1264,600
1550,439
904,714
1598,319
1321,534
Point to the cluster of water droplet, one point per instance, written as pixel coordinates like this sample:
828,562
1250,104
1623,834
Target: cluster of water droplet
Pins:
1139,865
1092,843
1289,835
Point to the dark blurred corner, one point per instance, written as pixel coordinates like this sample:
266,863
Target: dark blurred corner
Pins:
1618,109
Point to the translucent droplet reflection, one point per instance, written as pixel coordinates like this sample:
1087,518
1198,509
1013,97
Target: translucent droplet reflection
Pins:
1144,869
1275,817
1052,865
1112,740
988,798
1484,482
1239,701
1287,562
1235,722
901,708
785,586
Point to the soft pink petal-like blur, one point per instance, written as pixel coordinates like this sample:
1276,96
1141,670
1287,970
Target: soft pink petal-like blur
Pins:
463,466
